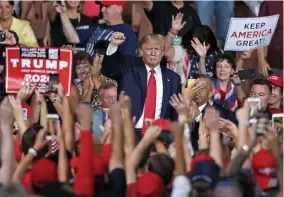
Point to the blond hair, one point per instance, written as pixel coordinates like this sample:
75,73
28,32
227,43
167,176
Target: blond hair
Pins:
152,37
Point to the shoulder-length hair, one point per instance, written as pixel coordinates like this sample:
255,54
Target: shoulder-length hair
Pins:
204,34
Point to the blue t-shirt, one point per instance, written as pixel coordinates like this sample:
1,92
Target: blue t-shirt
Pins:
90,36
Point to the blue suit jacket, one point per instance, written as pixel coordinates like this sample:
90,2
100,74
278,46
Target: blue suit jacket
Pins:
131,76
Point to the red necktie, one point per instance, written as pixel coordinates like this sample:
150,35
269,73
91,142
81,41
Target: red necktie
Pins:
150,102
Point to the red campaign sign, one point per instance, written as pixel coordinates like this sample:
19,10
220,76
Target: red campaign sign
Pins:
36,64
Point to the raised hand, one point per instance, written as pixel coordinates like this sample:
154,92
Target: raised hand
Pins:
60,90
84,116
246,54
69,47
60,8
243,114
228,128
91,82
106,132
39,98
180,104
193,112
16,104
264,68
126,102
47,41
9,38
152,133
236,79
117,38
176,129
26,90
6,111
199,48
211,119
41,140
177,23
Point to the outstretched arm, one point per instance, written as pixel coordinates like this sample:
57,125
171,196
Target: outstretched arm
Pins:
114,64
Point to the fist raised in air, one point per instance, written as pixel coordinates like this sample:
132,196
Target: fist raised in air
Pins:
117,38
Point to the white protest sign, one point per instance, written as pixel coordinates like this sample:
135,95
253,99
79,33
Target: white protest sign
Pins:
250,33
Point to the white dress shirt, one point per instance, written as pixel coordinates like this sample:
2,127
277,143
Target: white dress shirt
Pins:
159,87
200,108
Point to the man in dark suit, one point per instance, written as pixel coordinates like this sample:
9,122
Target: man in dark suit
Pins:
145,81
204,99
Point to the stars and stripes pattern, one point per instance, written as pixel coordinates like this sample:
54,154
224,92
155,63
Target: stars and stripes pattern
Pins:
230,102
98,34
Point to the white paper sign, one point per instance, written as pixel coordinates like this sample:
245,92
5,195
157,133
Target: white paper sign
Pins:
250,33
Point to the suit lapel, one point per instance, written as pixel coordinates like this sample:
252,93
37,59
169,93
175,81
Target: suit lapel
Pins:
142,77
166,90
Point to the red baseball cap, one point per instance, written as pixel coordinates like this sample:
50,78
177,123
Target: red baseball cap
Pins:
109,3
200,157
276,80
149,185
43,170
264,169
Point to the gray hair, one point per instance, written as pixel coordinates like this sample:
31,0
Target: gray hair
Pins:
105,86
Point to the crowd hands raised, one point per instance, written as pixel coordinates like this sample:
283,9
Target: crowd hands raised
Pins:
146,168
133,127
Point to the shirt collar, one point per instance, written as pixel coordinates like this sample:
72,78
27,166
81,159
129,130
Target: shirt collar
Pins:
157,69
201,108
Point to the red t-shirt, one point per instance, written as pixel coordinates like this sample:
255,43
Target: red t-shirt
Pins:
276,110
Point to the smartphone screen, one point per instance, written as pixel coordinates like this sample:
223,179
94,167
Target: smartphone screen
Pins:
247,74
52,120
255,104
277,122
53,80
25,111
